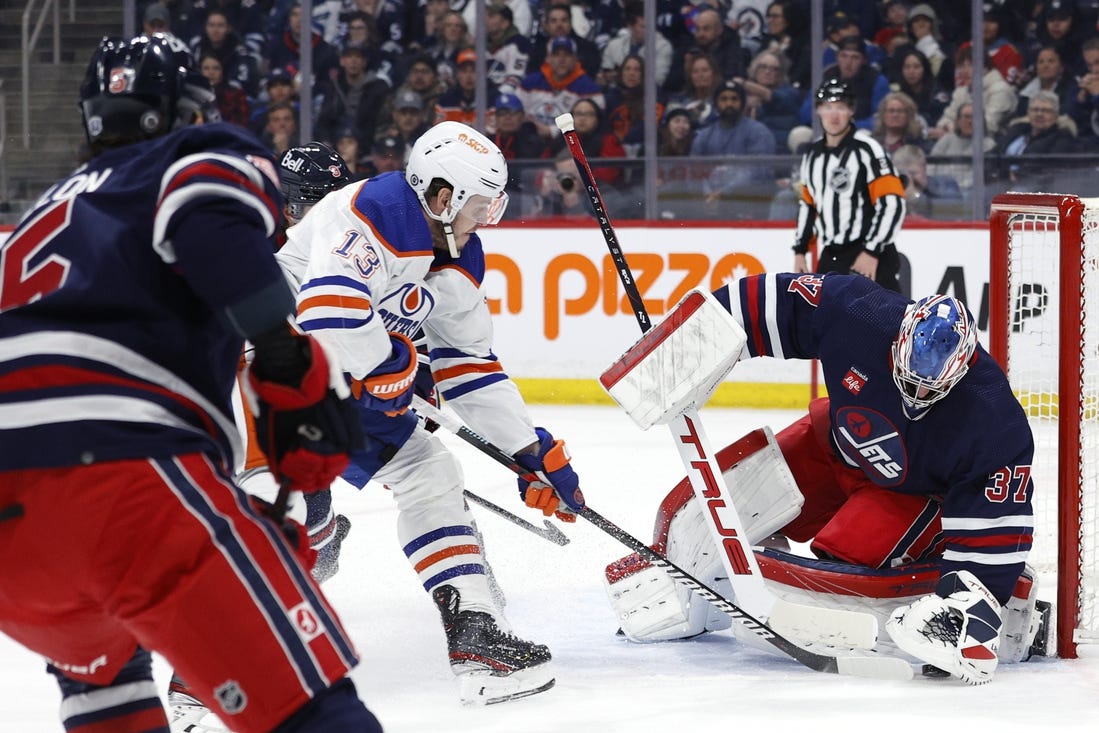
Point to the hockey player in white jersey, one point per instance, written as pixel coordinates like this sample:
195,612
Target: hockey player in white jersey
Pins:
373,264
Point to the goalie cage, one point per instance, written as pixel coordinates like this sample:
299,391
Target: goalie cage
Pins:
1044,332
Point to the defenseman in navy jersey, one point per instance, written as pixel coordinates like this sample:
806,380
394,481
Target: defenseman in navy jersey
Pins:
921,453
127,293
374,264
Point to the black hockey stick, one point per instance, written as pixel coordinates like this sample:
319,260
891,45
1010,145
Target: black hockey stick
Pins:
874,666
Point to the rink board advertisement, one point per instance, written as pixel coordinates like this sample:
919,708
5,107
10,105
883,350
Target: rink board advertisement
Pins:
561,313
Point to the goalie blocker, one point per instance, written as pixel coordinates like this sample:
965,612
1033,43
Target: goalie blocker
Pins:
651,607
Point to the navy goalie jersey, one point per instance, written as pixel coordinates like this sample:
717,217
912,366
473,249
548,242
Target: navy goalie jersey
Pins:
115,340
973,449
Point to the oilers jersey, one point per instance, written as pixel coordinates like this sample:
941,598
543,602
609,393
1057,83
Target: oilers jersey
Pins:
364,265
120,317
973,449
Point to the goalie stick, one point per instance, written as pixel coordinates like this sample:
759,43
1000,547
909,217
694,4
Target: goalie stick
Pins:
856,663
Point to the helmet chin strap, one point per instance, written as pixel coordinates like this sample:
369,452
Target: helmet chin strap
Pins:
451,242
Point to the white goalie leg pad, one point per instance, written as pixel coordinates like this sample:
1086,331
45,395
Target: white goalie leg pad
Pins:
1021,619
677,365
649,605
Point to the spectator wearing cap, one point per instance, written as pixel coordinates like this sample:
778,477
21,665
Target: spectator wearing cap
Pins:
840,26
631,41
865,81
279,87
347,145
923,29
554,88
422,76
459,103
676,133
410,117
508,49
711,38
220,39
1005,55
733,133
156,19
557,21
517,138
352,99
519,14
284,50
1057,26
386,154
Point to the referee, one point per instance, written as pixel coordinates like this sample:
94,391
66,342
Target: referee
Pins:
851,197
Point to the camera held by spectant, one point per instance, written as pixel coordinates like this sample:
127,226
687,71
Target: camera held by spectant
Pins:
566,181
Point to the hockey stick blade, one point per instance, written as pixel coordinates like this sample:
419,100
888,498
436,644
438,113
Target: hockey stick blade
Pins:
550,532
895,669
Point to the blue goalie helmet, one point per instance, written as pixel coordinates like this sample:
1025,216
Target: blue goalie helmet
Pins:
933,351
307,173
141,89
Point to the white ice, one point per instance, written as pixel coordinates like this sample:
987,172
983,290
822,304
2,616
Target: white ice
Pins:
604,683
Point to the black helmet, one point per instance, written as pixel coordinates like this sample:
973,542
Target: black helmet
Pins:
835,90
308,173
140,89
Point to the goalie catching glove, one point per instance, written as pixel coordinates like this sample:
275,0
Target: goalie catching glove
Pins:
305,423
557,490
957,629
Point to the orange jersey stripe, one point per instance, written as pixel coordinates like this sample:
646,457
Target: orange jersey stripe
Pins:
463,369
334,301
448,552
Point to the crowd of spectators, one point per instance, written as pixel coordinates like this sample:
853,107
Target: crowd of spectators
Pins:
732,79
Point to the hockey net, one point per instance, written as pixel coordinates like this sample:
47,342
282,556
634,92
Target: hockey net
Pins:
1044,331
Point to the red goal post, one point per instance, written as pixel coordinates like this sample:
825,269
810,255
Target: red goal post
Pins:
1044,331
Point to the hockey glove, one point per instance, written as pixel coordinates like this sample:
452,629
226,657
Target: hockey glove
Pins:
957,629
305,423
557,489
389,387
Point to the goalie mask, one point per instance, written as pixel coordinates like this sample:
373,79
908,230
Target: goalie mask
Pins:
933,351
141,89
470,164
308,173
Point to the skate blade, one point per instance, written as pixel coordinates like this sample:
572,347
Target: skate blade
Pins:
485,688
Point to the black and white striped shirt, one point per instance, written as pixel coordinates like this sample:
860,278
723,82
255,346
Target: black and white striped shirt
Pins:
850,194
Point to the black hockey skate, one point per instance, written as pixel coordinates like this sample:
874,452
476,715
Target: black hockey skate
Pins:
492,665
328,554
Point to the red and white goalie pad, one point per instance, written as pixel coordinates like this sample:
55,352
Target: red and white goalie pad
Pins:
677,365
650,606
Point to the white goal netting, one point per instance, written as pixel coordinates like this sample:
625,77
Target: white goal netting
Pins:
1052,361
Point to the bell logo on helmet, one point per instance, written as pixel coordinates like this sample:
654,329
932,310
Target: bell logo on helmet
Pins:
292,162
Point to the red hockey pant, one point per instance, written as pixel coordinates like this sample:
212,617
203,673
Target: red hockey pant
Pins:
846,515
168,554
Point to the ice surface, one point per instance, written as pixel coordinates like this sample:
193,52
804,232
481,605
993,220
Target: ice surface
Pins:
604,683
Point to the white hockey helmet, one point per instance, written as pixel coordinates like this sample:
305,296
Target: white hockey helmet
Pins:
467,160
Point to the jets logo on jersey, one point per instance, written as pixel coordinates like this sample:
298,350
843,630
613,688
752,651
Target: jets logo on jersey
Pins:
808,287
868,439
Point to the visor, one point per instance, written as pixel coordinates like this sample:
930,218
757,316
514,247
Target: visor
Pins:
484,210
